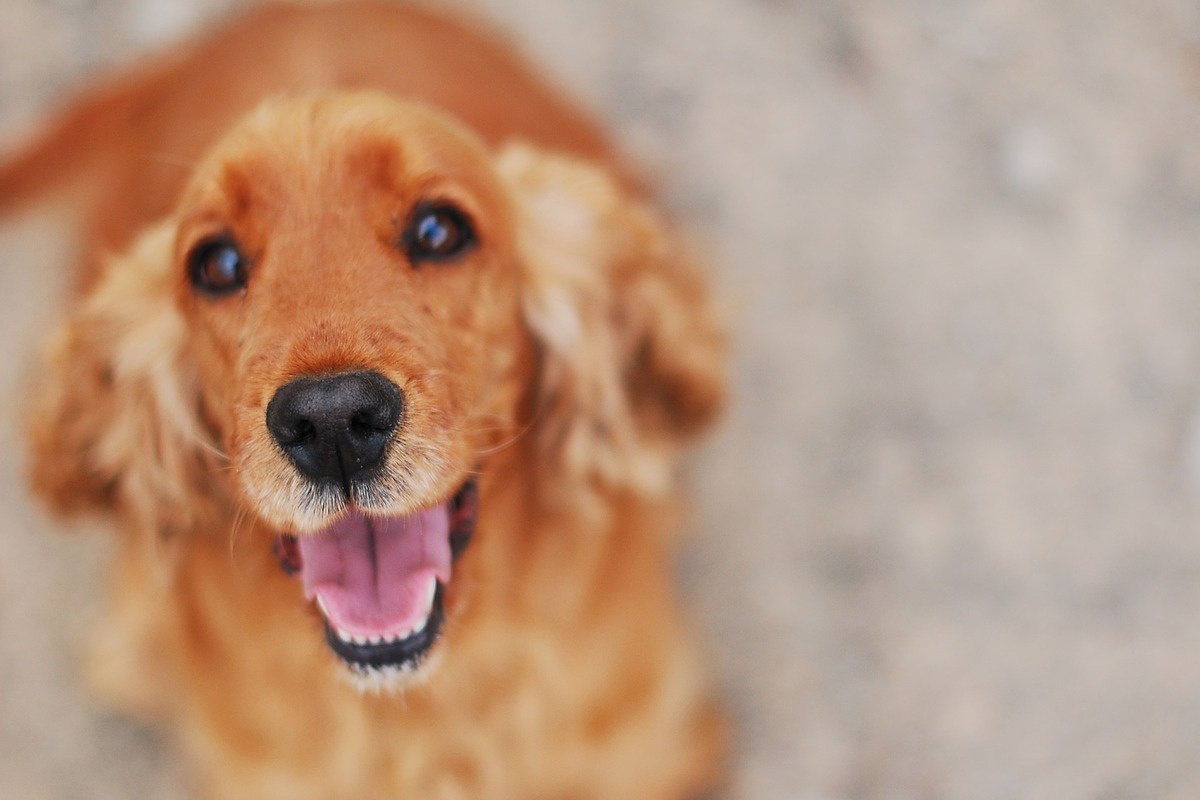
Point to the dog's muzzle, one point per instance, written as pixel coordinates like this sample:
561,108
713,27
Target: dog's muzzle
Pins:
378,580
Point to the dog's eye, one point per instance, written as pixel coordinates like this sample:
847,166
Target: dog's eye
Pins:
217,267
437,233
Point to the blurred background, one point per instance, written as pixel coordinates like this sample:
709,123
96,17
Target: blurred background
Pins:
945,544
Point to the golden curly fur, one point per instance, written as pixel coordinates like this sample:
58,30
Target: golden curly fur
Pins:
561,361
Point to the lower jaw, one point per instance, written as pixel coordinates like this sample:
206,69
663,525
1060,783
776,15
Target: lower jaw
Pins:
390,664
400,657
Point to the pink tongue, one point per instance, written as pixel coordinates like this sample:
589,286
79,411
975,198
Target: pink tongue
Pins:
372,574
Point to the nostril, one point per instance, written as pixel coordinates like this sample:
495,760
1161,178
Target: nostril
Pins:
372,420
299,432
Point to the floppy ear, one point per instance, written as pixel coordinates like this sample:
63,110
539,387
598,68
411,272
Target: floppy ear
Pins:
632,350
115,425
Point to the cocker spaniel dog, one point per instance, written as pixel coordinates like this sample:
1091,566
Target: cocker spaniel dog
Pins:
381,363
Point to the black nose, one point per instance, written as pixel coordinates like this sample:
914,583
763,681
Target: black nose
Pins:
335,428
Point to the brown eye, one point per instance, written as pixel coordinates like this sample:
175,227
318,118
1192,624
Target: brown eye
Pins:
217,267
437,233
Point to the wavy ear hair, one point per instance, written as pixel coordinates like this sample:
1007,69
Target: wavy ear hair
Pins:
116,425
632,348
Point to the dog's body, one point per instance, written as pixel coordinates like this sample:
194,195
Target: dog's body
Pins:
504,352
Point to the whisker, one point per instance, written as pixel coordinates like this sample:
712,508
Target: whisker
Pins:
504,445
210,448
238,519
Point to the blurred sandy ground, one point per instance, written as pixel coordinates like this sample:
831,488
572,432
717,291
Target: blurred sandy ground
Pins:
946,542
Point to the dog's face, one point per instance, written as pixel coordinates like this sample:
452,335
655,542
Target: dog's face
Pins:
353,305
346,268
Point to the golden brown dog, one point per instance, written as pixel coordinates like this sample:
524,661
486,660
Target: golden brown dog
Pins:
384,392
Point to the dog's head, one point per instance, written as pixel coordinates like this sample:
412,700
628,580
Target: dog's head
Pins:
355,304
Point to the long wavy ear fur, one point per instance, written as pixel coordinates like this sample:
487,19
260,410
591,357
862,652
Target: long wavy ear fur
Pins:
632,348
116,425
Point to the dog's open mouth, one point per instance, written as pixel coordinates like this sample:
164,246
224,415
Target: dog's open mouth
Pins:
379,582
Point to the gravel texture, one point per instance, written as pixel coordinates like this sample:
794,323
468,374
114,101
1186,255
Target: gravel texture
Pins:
946,541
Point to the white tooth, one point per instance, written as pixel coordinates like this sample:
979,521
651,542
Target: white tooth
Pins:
345,637
376,640
359,639
431,592
420,626
321,606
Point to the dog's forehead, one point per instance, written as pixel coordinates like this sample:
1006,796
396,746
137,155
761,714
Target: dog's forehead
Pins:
348,146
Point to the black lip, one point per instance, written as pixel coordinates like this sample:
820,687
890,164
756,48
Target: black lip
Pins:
464,509
405,654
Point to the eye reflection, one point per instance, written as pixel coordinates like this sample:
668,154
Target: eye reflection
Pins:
217,267
437,233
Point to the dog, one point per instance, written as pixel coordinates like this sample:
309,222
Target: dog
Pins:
381,362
